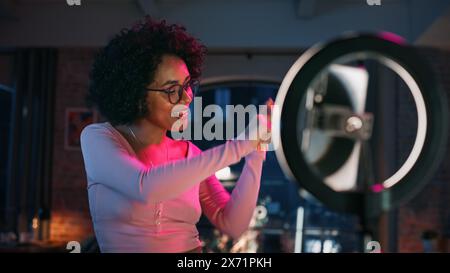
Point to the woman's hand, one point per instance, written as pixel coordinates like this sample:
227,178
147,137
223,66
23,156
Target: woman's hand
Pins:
265,127
259,129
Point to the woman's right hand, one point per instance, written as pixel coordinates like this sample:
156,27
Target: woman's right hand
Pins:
265,127
260,129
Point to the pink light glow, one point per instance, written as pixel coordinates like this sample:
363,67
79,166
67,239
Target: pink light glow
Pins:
389,36
377,188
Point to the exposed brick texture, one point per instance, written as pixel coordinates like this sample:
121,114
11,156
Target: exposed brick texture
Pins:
429,210
70,210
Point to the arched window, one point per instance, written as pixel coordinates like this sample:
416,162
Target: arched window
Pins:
321,230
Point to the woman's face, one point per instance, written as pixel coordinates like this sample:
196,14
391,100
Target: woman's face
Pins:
172,70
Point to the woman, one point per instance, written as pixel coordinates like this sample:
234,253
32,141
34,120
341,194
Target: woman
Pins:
146,190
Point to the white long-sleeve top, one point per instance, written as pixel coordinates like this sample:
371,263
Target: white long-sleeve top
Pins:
139,208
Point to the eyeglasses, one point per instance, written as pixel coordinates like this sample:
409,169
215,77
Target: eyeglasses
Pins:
175,91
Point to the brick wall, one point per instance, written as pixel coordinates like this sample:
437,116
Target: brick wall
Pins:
429,210
70,209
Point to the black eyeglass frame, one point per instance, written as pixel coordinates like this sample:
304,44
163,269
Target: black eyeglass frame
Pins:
192,83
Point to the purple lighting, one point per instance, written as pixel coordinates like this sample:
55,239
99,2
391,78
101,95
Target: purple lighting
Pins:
389,36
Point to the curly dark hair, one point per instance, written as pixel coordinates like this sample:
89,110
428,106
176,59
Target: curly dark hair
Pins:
127,64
